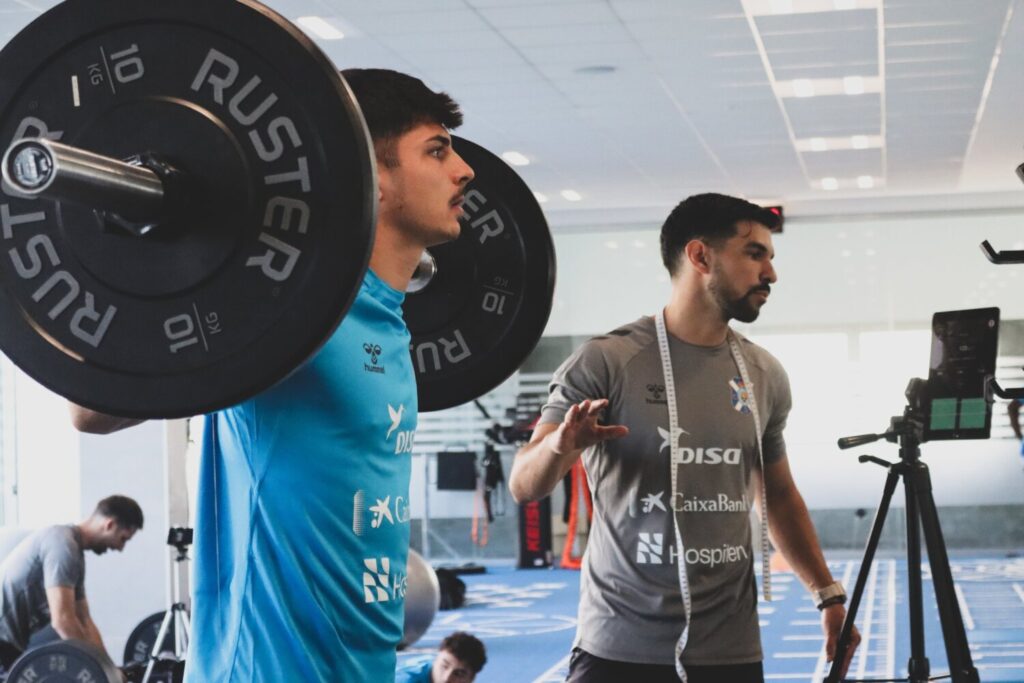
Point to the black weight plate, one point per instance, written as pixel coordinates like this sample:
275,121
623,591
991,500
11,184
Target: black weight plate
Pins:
206,312
488,303
139,645
73,661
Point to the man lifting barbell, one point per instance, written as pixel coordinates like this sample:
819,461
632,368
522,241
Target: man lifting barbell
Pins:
42,581
289,585
212,203
694,438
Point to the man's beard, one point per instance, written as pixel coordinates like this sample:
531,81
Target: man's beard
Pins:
736,308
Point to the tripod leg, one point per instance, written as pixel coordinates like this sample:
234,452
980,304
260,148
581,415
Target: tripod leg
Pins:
186,630
862,577
161,634
958,652
918,667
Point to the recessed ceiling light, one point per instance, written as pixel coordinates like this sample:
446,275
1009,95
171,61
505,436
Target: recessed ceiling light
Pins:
639,244
571,195
859,141
320,28
853,85
782,6
515,158
611,244
818,145
803,87
540,197
829,184
865,182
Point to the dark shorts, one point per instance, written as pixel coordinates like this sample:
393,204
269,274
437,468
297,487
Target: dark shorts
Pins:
587,668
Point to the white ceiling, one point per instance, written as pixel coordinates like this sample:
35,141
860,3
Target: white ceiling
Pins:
696,100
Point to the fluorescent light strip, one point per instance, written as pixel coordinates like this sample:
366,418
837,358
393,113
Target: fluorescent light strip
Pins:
770,7
839,143
320,28
571,195
816,87
831,183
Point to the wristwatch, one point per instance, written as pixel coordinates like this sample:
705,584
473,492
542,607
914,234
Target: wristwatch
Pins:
832,594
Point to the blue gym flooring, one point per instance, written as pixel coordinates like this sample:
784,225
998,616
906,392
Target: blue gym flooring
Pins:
527,618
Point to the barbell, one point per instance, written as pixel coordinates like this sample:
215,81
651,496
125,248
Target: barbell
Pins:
188,209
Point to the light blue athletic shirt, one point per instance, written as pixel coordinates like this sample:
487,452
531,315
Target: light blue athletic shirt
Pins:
302,527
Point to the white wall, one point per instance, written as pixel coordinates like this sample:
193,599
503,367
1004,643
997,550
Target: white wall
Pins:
47,465
883,272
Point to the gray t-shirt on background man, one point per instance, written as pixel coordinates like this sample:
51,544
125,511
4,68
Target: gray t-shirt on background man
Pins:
50,557
630,604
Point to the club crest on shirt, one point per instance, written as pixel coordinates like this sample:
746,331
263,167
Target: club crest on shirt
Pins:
741,395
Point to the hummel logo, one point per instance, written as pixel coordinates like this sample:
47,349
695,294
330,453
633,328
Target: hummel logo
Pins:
377,580
396,418
656,390
373,350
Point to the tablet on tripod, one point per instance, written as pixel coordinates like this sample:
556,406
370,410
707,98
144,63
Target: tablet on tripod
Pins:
963,359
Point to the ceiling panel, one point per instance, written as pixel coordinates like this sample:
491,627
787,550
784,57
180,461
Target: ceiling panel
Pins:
690,99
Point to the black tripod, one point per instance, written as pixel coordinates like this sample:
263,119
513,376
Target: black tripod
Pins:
908,431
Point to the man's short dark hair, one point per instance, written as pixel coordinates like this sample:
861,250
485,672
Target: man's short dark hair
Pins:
394,103
467,648
122,509
711,218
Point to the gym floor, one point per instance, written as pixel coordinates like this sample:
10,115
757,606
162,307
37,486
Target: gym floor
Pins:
527,618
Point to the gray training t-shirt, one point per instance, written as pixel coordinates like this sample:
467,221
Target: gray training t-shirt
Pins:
631,608
49,557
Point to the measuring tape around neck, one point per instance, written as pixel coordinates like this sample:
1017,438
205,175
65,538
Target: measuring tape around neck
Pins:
676,461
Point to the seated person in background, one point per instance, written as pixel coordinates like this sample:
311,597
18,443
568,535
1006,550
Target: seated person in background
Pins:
42,581
460,659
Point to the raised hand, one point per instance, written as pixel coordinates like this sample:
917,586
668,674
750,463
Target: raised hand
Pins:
579,429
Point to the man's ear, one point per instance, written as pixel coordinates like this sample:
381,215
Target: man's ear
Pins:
696,253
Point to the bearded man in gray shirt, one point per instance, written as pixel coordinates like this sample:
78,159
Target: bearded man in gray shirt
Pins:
42,580
693,413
